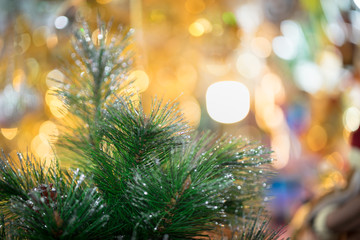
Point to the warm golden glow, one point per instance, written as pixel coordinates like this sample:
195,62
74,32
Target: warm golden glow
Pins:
51,41
48,131
191,110
103,1
186,76
316,138
41,148
9,133
195,6
196,29
54,78
56,106
157,16
141,80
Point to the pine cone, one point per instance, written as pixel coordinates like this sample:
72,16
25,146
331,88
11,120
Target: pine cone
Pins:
42,195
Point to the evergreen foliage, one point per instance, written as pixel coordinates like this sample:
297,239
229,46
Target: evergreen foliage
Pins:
149,176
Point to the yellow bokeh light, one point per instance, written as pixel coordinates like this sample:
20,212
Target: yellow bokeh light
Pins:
54,78
191,110
228,101
196,29
9,133
56,106
141,80
206,24
351,119
261,47
48,131
316,138
40,147
50,96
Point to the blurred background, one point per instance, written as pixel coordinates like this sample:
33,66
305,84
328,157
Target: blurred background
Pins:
281,72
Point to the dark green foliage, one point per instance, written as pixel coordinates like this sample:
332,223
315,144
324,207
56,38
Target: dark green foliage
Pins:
49,203
188,192
156,178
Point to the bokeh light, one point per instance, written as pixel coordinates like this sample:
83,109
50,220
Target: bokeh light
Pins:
61,22
9,133
141,80
228,101
351,119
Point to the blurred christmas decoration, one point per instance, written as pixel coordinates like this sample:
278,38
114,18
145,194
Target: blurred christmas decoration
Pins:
297,59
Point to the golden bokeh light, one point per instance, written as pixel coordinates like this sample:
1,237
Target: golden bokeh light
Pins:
186,75
56,106
316,138
190,107
54,78
48,131
42,148
206,24
9,133
196,29
141,80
